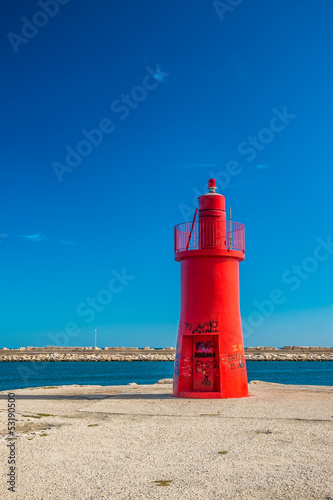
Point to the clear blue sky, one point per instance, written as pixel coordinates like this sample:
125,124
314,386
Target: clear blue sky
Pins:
177,89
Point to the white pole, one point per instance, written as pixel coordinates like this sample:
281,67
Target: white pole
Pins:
95,337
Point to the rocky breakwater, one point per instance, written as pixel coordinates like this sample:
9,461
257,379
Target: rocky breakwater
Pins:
86,354
289,353
260,353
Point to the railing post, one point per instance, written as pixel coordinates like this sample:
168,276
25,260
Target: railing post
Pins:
190,235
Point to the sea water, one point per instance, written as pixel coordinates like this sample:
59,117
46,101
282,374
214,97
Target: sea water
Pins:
18,375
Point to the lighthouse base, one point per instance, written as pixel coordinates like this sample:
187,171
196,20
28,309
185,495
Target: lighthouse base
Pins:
203,370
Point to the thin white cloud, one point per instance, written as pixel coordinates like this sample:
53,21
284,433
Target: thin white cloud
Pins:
159,75
37,237
40,237
243,183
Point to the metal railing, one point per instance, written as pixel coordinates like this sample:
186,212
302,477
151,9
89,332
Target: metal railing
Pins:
207,234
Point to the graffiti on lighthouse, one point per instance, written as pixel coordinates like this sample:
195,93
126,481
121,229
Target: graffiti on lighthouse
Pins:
207,327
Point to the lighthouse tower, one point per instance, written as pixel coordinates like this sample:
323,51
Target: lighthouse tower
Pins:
210,360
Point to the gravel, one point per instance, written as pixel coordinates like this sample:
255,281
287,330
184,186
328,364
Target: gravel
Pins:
138,443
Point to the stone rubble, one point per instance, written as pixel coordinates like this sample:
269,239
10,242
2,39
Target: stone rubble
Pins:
263,356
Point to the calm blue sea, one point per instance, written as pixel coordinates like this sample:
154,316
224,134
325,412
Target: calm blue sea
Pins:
19,375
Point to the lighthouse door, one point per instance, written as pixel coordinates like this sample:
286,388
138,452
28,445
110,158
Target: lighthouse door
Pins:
204,349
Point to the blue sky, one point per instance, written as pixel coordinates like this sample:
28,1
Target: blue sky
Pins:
113,117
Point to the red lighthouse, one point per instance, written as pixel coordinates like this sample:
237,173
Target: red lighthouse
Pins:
210,360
